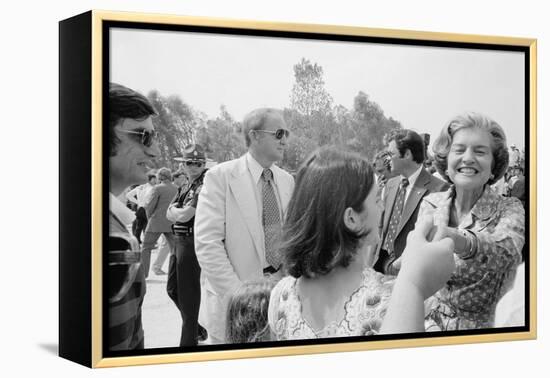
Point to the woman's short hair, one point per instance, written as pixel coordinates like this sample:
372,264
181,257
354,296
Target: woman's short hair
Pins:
125,103
443,143
164,174
315,238
247,311
255,120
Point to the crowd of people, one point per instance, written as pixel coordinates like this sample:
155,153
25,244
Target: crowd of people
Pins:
343,247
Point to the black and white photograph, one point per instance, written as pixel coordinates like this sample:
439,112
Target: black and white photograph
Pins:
278,189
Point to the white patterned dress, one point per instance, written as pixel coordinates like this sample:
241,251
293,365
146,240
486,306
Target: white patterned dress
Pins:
363,313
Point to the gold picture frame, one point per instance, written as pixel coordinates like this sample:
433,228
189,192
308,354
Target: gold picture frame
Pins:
82,101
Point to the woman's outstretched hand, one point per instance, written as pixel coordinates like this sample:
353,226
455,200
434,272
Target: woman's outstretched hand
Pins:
425,267
427,264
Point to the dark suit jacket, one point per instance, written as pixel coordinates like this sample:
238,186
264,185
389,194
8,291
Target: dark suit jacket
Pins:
424,185
160,198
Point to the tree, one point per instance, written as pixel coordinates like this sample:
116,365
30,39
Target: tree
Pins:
175,124
370,126
221,138
310,117
308,93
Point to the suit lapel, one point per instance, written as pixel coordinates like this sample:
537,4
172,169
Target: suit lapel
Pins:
417,192
245,197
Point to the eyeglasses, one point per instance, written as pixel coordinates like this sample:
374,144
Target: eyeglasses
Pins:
190,163
279,133
147,136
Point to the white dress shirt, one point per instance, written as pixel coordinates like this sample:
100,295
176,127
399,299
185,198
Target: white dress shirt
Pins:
140,194
412,180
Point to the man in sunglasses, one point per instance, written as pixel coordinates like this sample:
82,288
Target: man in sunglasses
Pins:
131,149
184,272
239,217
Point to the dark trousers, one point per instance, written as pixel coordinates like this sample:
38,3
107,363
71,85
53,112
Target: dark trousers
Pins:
184,287
140,223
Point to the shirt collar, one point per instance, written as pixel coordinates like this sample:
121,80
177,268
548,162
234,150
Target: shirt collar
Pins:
412,179
486,205
255,168
125,215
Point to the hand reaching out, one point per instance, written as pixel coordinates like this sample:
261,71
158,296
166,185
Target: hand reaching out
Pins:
427,264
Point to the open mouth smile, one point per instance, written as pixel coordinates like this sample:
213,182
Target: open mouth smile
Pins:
467,171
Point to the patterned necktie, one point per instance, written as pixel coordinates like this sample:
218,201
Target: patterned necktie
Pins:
271,219
395,219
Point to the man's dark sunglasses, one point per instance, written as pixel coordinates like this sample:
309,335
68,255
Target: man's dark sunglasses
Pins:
279,133
147,136
190,163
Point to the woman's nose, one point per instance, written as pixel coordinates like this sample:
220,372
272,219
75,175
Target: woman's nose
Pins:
468,155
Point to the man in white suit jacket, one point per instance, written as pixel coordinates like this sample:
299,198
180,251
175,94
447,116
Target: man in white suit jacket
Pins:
229,228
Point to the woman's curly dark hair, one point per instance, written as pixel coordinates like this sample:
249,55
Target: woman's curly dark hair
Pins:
315,239
442,144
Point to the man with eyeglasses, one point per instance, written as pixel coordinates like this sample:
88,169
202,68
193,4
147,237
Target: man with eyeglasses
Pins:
239,217
132,148
184,272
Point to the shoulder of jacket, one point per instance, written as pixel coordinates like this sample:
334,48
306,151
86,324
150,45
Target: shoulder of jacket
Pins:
225,167
435,198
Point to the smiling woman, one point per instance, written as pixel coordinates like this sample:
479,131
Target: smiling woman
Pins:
488,230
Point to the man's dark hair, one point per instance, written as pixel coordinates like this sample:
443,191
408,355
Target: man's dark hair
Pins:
408,140
316,239
125,103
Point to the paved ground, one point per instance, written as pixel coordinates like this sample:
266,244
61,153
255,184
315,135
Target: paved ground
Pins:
161,318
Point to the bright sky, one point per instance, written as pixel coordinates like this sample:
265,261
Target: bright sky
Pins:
422,87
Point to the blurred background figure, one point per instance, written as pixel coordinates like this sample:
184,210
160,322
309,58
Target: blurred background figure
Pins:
382,168
180,181
155,207
515,157
139,196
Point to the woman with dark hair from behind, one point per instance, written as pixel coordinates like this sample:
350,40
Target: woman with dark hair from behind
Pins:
329,237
